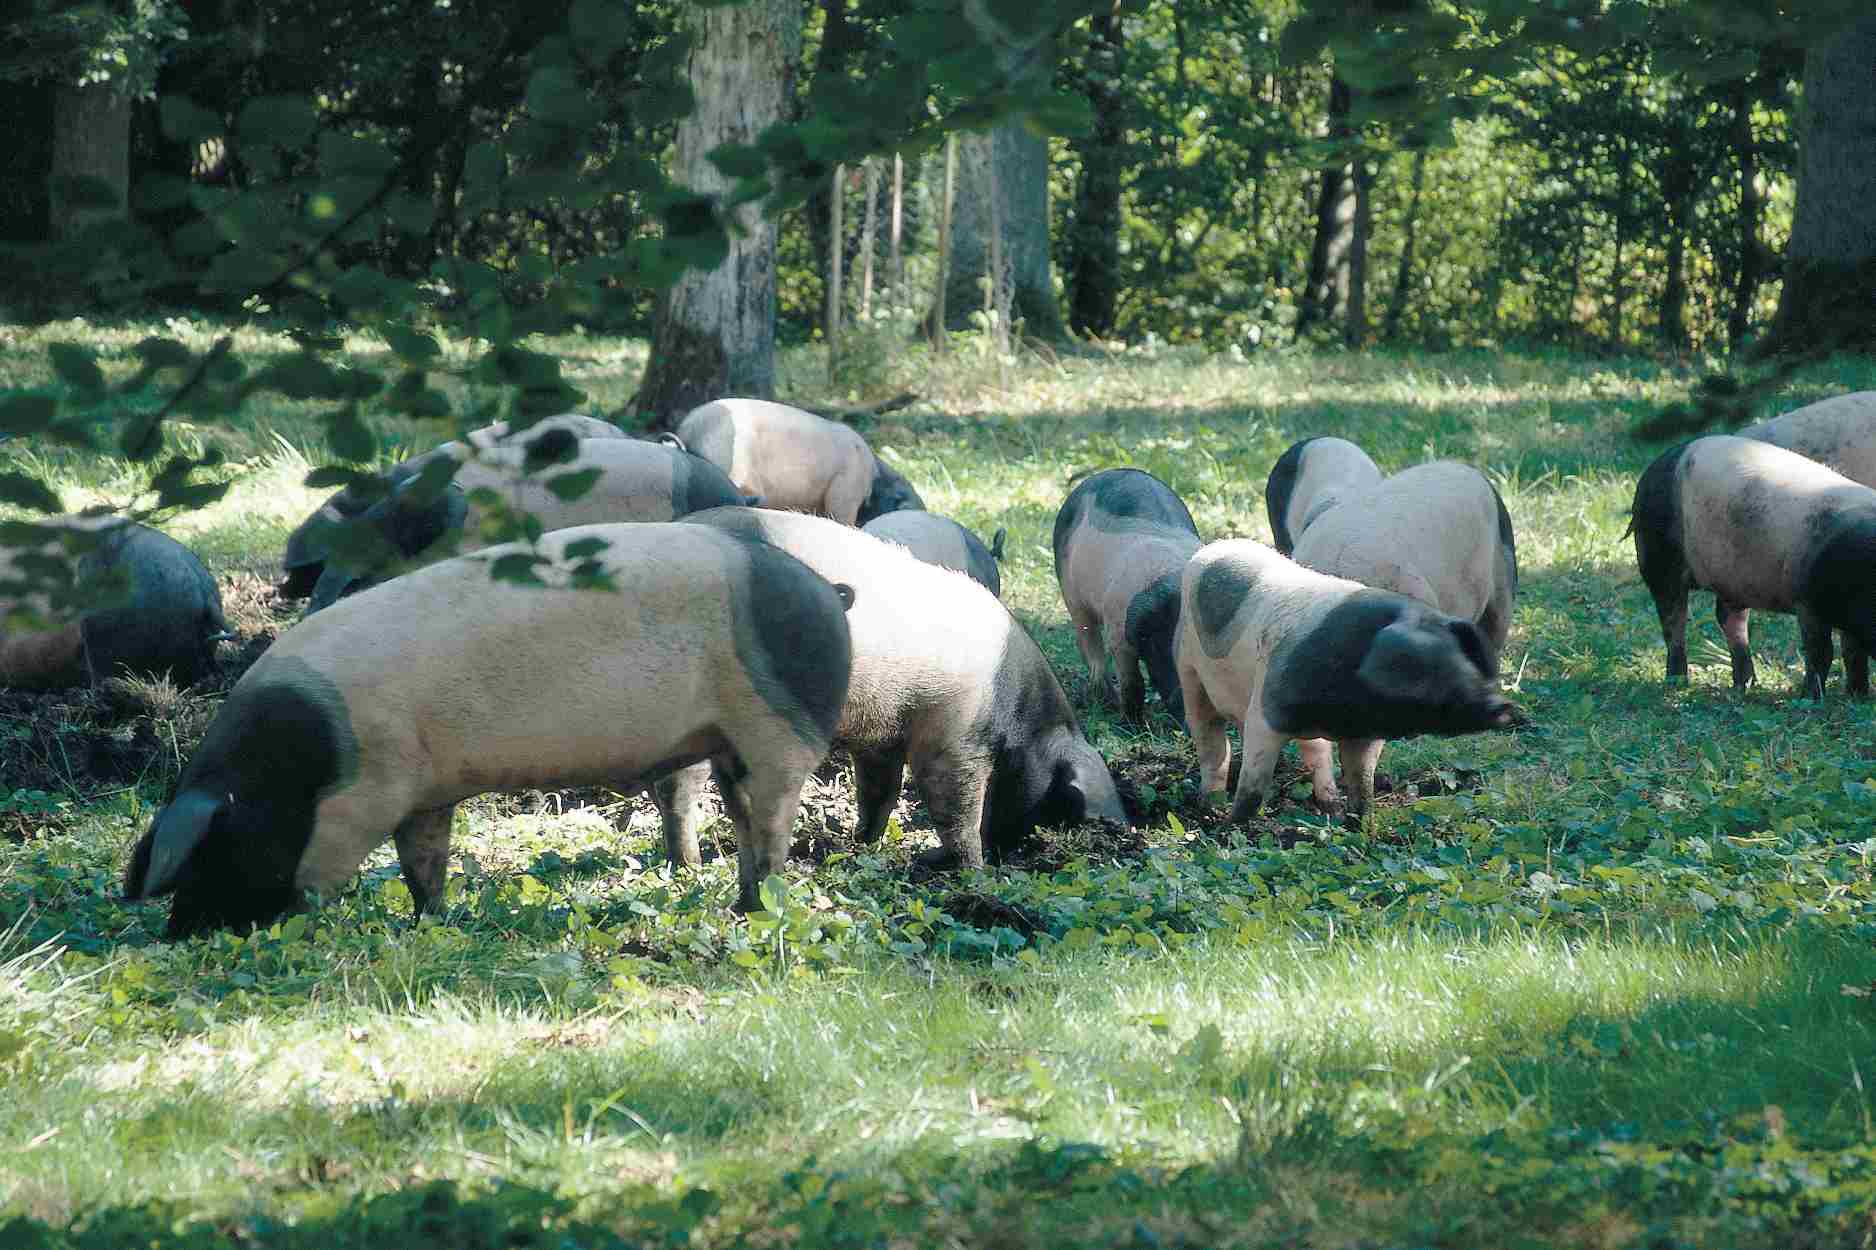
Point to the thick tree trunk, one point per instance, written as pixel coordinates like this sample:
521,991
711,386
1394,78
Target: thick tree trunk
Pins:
1829,298
90,140
1094,245
1022,185
714,334
1325,289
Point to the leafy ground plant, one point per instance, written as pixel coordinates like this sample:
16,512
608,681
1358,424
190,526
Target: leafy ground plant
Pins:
1603,981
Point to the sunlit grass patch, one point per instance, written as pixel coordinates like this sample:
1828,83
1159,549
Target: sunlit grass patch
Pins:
1604,980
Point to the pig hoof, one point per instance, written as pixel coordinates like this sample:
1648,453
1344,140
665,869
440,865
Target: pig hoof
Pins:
939,859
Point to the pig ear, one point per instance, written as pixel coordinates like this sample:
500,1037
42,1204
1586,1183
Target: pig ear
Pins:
1472,642
1071,791
1395,665
178,830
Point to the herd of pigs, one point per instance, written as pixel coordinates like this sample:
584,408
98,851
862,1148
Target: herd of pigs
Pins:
806,601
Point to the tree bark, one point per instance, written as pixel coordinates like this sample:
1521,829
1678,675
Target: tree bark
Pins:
90,139
1751,212
1325,290
1355,318
1410,234
714,332
1021,157
1094,243
1829,297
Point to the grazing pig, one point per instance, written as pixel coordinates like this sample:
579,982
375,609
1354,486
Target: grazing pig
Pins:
1438,533
138,601
941,541
1761,527
374,718
1122,537
638,481
305,556
1839,433
1291,653
1309,477
796,460
944,680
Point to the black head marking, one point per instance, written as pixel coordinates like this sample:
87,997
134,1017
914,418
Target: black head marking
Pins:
1030,719
1379,665
890,493
697,484
792,638
1839,581
162,612
277,747
1218,597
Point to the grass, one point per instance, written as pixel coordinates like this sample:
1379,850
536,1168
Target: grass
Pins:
1606,981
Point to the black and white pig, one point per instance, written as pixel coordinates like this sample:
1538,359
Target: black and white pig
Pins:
944,680
1839,433
940,540
1437,533
637,481
1761,527
138,601
375,717
1122,538
1291,653
794,459
1309,477
305,555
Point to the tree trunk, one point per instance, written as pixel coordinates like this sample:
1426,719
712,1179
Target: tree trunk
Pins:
1094,244
1751,212
1830,261
1021,157
1325,289
714,333
841,44
1404,271
90,140
1355,322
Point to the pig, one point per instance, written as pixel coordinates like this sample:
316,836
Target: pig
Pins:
940,540
1122,538
1839,433
1288,652
639,481
796,460
138,602
1438,533
375,717
1761,527
305,556
1309,477
944,680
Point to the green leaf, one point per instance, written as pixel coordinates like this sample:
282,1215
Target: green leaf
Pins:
28,492
571,486
517,567
598,28
184,122
27,414
77,367
285,121
583,548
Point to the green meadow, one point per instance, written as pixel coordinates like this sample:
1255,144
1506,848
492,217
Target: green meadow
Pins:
1607,980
